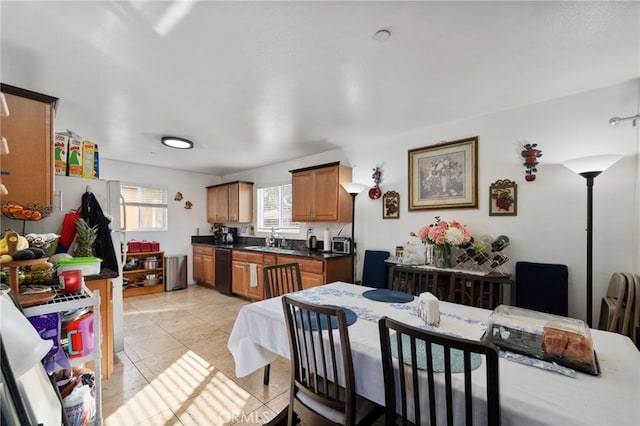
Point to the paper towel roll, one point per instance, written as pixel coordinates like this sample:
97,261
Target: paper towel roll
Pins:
326,244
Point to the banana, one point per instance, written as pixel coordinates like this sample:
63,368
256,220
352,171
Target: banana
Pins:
11,236
45,266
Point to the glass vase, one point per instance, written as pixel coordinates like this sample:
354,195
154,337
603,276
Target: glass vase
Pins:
442,256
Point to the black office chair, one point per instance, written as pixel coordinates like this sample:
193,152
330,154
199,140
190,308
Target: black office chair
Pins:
320,354
374,270
425,381
280,280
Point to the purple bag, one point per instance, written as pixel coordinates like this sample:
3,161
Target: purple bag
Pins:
49,327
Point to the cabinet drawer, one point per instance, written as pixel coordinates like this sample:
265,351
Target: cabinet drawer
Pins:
245,256
206,251
306,265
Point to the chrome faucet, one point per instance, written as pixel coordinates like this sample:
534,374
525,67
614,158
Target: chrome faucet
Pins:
272,238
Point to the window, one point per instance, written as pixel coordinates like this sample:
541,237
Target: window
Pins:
274,209
145,207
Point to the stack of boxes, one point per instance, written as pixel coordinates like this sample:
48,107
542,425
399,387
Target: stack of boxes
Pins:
75,157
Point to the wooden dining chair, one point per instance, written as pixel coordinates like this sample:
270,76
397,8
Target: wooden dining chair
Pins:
279,280
415,281
322,376
634,324
479,291
408,387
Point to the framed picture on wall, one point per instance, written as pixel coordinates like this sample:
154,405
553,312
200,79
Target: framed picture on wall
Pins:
503,198
391,205
444,175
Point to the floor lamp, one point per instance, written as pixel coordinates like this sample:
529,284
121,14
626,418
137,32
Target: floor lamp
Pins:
589,168
353,189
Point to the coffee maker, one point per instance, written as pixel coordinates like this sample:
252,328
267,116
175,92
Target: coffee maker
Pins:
231,235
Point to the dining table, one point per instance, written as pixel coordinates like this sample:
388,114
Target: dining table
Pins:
532,392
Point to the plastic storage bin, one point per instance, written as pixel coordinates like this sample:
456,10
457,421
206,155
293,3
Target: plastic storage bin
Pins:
88,265
566,341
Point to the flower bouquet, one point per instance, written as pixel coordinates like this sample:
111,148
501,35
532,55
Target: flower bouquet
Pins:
443,235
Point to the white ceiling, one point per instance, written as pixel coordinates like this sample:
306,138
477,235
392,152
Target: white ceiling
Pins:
256,83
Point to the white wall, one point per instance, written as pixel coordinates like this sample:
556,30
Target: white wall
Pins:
551,220
183,223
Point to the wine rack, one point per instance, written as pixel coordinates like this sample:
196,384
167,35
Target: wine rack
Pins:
486,254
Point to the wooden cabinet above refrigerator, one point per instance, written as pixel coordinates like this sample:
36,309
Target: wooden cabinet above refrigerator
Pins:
28,167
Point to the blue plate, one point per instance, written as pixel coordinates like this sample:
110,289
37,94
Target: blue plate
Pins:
351,317
386,295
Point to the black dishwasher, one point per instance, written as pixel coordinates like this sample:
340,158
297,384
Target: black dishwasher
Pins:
223,270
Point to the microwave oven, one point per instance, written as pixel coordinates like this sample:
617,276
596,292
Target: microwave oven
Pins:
341,245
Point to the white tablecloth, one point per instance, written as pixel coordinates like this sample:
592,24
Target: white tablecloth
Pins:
529,396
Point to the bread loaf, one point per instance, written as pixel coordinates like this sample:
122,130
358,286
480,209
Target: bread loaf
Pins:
570,345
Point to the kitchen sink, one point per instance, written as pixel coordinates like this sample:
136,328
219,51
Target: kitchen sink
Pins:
276,250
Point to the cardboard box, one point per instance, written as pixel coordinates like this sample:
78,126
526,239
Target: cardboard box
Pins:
74,157
88,160
60,154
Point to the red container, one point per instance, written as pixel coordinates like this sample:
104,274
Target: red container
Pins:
133,246
145,246
155,246
71,281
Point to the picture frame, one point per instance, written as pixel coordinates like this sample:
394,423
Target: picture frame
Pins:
503,198
391,205
444,175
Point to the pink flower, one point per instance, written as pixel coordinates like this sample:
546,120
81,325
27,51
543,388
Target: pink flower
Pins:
437,233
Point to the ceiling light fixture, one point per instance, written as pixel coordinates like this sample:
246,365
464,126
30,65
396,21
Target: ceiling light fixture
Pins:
382,35
176,142
615,120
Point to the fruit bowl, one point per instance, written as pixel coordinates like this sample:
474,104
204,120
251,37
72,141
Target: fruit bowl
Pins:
29,211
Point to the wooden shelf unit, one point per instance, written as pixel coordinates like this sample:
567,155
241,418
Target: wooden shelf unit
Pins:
137,275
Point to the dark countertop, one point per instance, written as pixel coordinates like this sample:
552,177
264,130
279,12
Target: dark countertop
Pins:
313,254
104,274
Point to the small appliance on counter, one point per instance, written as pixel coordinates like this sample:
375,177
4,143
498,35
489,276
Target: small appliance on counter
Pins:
341,245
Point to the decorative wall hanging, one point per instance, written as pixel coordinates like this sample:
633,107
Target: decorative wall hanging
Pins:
178,196
503,198
188,205
376,192
391,205
444,175
531,155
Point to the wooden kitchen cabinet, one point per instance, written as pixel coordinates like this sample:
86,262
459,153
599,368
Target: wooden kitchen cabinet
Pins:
204,265
318,195
230,202
105,287
241,274
318,272
29,132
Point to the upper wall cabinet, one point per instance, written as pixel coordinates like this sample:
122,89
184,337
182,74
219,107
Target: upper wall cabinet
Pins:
318,195
230,202
28,167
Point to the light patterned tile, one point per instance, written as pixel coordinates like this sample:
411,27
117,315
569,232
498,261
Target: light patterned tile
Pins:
132,406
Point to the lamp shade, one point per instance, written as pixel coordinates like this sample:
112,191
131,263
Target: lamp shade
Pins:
353,187
23,344
594,163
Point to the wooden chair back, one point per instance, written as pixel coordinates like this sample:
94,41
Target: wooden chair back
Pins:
320,357
413,281
479,291
405,384
281,279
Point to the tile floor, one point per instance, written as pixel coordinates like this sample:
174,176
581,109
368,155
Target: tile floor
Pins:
176,368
